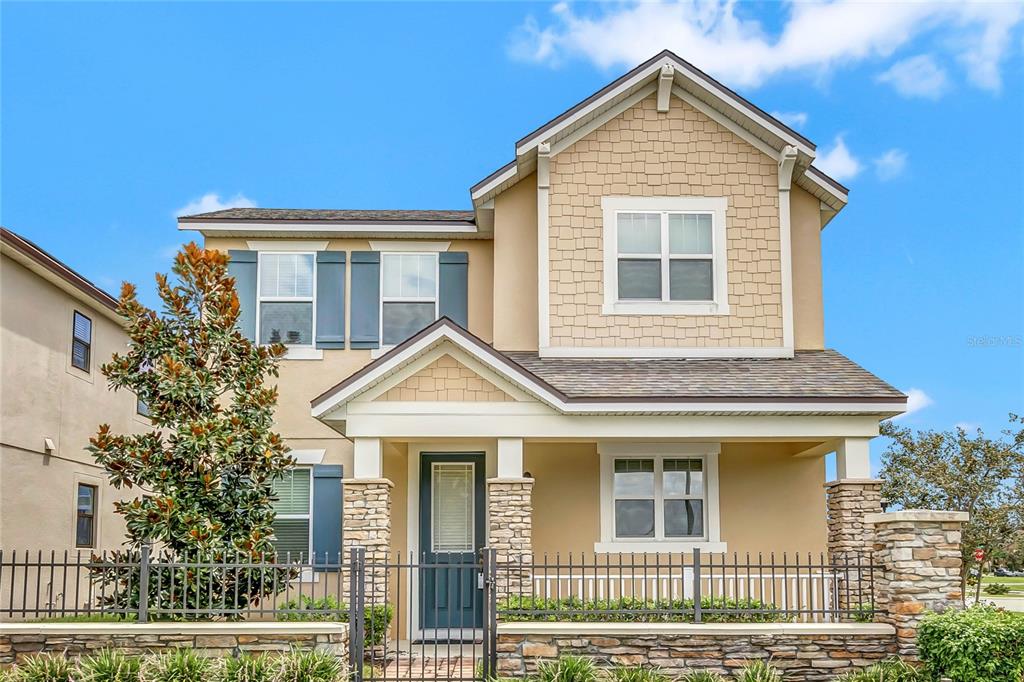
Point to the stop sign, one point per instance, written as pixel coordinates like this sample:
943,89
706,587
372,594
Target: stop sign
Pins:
979,555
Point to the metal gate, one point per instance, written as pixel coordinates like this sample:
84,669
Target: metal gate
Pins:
416,620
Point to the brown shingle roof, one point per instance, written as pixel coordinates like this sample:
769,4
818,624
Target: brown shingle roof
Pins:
332,215
809,375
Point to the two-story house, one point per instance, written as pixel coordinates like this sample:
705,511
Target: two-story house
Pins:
620,348
56,329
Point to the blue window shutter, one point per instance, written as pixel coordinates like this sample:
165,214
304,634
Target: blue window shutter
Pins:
242,267
365,331
330,299
454,287
326,520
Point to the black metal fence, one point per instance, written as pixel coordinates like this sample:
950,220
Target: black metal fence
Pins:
434,616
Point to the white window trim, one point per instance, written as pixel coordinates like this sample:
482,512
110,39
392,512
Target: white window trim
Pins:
610,451
436,298
295,352
716,206
307,574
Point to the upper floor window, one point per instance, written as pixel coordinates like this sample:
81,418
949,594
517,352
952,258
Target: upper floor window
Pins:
408,294
81,341
665,255
286,298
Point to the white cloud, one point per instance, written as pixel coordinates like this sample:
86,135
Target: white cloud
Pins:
839,162
794,119
891,164
969,427
211,201
917,400
722,38
917,76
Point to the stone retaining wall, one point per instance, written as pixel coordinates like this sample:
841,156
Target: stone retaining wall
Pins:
806,653
210,639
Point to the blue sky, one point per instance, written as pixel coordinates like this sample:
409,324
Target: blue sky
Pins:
115,117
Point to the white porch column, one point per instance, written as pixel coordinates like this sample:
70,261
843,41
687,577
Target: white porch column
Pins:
853,458
510,458
368,459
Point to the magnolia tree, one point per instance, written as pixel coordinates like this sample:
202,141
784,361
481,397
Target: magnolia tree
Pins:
203,475
957,471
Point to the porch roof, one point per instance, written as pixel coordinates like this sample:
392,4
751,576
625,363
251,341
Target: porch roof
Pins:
809,379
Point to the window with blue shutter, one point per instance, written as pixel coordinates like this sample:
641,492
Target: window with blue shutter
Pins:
327,517
330,299
243,267
292,513
454,287
365,331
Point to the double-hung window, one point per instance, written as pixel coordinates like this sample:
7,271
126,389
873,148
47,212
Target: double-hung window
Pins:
293,511
81,341
659,495
85,515
286,298
409,300
664,256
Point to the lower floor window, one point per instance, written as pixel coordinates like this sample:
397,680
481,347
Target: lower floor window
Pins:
85,516
292,513
658,497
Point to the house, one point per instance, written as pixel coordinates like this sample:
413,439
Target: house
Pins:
620,348
56,329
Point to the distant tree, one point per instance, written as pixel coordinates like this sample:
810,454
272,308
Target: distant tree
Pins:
205,471
956,471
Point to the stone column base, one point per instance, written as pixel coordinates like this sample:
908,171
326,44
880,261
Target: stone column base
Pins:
850,538
366,522
510,532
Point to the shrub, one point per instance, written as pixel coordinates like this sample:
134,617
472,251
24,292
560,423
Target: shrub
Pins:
702,676
45,668
109,665
309,666
638,674
378,617
630,609
759,671
980,644
997,588
891,670
567,669
247,668
180,665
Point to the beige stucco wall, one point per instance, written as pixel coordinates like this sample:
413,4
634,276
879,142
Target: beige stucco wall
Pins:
515,266
446,379
302,380
678,153
43,396
769,500
805,240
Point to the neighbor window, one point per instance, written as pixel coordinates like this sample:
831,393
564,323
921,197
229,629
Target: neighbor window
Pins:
408,295
81,341
657,498
85,516
665,256
141,408
292,510
286,298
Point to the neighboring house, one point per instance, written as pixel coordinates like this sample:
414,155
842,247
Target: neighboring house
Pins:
621,344
56,329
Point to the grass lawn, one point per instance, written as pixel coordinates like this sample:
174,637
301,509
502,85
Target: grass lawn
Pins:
1016,585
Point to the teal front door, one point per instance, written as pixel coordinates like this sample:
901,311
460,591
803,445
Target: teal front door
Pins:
451,536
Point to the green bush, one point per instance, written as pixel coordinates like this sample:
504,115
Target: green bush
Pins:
45,668
109,665
180,665
640,673
630,609
997,588
567,669
702,676
247,668
980,644
309,666
891,670
759,671
329,608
